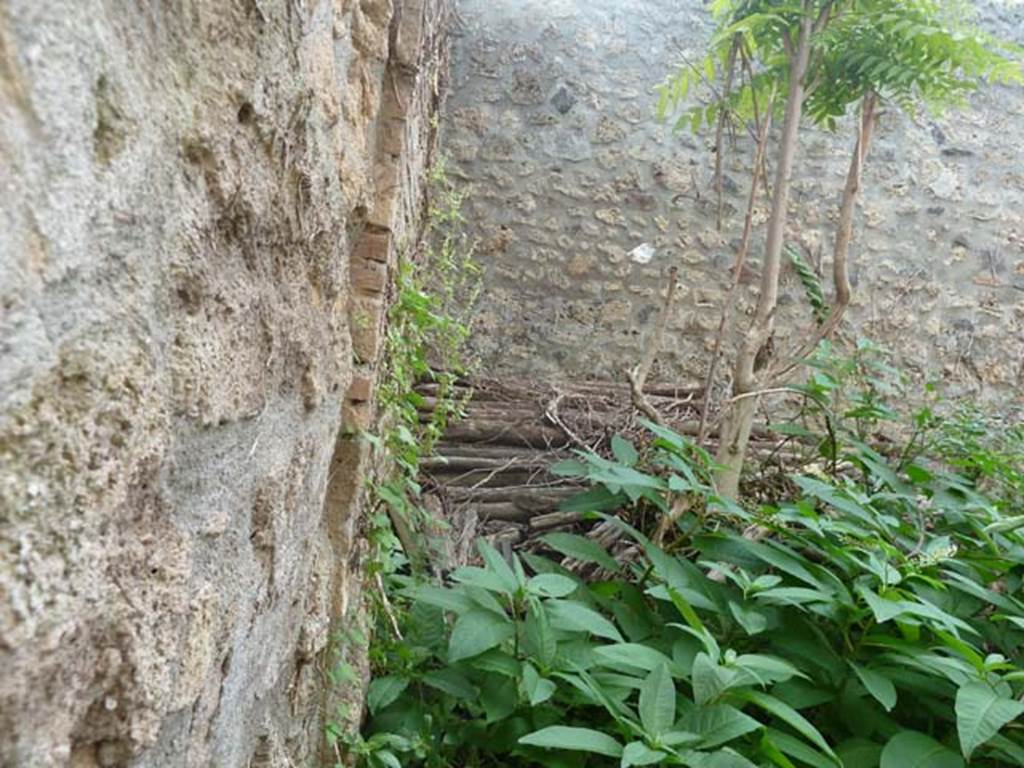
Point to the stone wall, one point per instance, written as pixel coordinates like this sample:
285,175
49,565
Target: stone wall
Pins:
581,201
202,201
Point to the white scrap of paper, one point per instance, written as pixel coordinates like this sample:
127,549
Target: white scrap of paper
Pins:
642,254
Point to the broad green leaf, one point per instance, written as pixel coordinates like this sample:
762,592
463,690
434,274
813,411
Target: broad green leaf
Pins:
384,691
575,739
483,578
773,753
767,669
452,682
859,753
717,724
679,738
723,758
638,753
484,598
576,617
537,633
569,468
708,679
658,701
497,565
799,750
835,497
448,599
624,451
551,585
789,716
1010,749
885,610
753,621
596,499
980,713
795,596
625,656
499,698
1006,525
477,631
497,662
537,689
878,685
800,694
910,749
580,548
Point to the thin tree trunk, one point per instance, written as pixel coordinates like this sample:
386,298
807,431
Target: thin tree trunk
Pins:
737,271
740,417
851,193
844,236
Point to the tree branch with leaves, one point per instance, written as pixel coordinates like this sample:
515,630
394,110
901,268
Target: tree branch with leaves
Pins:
825,58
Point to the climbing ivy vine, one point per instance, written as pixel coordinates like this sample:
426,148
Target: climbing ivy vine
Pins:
428,327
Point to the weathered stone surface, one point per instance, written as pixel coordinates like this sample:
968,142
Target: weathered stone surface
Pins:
563,91
182,185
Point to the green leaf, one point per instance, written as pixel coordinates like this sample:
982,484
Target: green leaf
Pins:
789,716
980,713
797,749
723,758
753,621
910,749
878,685
1006,525
580,548
499,699
498,662
483,578
624,451
772,751
452,682
767,669
477,631
384,691
551,585
575,739
448,599
537,689
539,638
631,656
717,724
638,753
708,679
576,617
497,565
658,701
859,753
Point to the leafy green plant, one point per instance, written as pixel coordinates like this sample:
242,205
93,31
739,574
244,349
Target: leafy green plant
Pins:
817,60
428,328
878,622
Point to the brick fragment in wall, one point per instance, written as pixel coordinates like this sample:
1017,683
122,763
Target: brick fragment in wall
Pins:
369,276
361,389
367,319
373,246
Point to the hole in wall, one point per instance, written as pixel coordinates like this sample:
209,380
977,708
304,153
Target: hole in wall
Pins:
246,113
